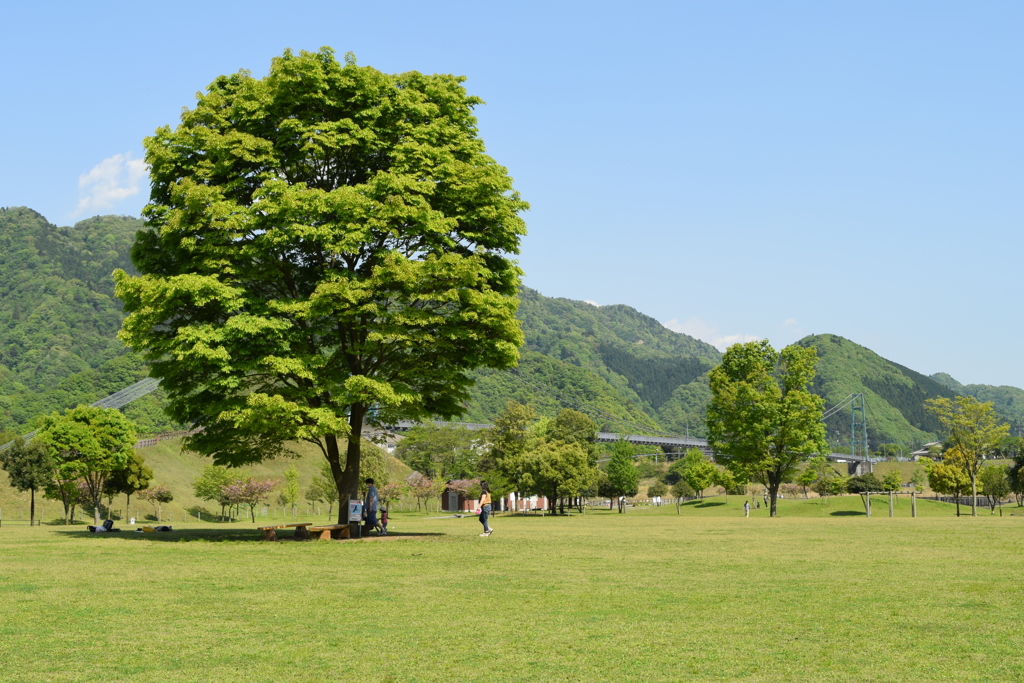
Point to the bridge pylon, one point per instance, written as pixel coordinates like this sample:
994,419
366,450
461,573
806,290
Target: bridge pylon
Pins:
859,441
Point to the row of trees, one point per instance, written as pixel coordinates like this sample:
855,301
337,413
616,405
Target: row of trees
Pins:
81,458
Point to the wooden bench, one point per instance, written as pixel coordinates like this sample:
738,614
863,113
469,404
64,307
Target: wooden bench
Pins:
301,532
329,531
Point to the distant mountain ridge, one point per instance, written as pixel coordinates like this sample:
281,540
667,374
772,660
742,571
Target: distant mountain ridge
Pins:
58,347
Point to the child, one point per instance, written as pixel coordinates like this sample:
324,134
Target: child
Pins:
383,522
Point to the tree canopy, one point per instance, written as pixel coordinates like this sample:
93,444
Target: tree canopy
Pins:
326,240
763,419
88,444
974,431
29,467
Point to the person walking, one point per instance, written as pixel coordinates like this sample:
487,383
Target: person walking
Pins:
746,508
485,507
370,507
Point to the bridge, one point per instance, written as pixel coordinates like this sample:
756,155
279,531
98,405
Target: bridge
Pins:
856,464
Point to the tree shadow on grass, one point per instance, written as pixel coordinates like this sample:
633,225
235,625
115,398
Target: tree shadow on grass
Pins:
709,504
215,535
847,513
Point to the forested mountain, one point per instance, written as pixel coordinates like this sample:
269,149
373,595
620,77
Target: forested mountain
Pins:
1008,401
58,348
651,368
59,318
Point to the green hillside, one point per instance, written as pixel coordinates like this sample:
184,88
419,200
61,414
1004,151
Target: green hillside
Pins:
1008,401
549,384
894,395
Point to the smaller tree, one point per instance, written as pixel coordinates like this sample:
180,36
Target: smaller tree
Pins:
130,479
209,485
29,466
892,481
250,492
974,431
390,493
919,478
289,496
622,475
806,479
157,496
1015,473
949,477
657,489
698,471
728,481
864,483
681,489
422,488
831,486
994,484
323,489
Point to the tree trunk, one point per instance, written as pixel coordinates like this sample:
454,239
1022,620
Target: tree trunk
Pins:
957,499
774,482
348,481
974,496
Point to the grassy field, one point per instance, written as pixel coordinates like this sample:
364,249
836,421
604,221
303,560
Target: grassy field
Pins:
821,593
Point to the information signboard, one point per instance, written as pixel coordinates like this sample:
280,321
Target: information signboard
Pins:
355,511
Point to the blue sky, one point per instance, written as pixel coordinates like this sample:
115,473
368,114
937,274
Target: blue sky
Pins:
734,169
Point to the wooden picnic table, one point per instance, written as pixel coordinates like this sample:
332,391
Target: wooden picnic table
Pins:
301,531
329,531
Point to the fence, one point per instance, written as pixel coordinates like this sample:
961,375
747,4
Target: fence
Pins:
154,439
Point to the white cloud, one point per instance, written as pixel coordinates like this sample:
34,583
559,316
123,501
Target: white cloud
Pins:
112,180
792,327
708,332
592,303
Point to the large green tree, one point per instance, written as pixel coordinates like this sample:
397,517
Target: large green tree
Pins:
29,467
327,241
762,417
511,439
974,431
623,478
88,444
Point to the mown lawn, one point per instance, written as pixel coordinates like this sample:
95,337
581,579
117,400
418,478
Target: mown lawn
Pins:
650,595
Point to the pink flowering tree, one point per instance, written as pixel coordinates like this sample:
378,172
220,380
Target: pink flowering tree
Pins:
156,496
389,493
248,491
422,487
469,488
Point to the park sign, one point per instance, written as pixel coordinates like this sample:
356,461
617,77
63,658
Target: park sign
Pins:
355,511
